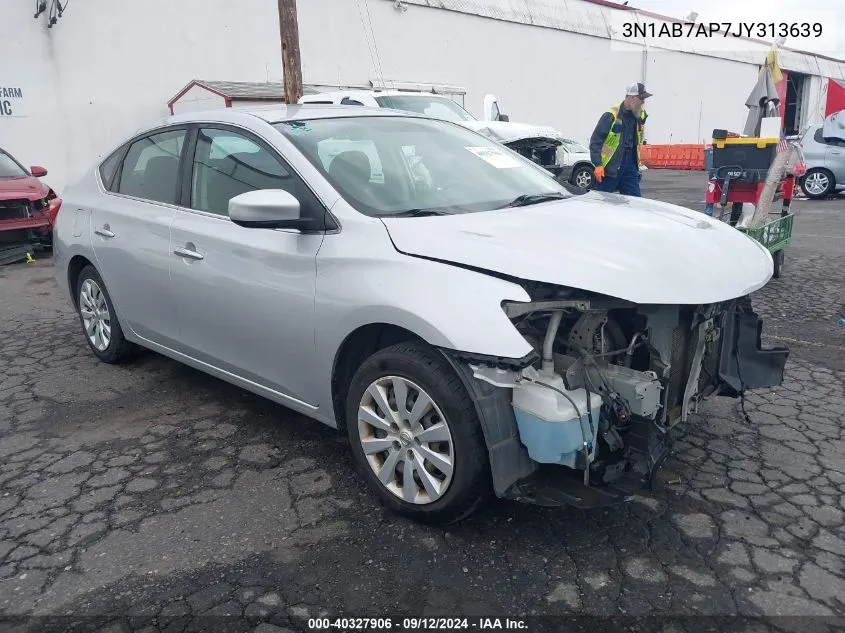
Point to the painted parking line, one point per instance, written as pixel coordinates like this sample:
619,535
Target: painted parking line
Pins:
786,339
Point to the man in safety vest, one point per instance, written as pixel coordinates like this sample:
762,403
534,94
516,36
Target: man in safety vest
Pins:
615,144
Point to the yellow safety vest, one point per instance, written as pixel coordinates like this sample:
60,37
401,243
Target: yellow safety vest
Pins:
611,142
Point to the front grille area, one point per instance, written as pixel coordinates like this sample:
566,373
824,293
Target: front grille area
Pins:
15,209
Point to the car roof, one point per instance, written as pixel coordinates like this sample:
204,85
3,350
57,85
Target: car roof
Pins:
292,112
377,93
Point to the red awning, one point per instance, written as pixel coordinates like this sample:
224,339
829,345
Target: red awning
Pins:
835,97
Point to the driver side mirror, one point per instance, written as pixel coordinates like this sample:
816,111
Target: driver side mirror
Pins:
37,171
504,118
267,209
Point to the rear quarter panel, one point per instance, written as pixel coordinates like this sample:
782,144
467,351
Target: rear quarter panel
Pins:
72,231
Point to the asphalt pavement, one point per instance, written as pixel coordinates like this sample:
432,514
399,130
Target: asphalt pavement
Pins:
152,490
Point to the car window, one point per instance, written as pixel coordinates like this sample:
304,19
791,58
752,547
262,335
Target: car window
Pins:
108,168
151,167
425,164
9,168
227,163
819,138
574,147
437,107
348,101
330,148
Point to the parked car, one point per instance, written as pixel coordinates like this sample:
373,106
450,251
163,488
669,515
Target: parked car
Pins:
27,207
567,159
475,329
825,162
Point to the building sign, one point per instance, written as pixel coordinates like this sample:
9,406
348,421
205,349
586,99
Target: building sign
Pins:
11,101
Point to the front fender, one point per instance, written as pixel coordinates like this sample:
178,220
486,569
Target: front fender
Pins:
445,305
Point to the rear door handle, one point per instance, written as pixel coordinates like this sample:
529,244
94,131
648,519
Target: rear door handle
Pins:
104,232
186,252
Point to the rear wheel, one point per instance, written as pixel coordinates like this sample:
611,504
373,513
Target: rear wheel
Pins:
99,320
415,435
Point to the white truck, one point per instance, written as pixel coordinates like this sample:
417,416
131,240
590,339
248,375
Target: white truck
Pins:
567,159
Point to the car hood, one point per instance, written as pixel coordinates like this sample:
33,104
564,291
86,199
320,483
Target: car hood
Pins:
507,132
16,188
639,250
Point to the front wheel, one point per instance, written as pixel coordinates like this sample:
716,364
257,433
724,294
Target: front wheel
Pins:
415,435
778,259
818,183
583,177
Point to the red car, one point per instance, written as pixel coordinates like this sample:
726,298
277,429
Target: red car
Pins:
28,207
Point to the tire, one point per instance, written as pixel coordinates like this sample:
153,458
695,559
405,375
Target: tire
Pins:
582,177
448,498
778,259
116,349
821,183
736,213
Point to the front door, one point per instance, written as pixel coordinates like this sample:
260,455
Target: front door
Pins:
244,296
131,235
835,159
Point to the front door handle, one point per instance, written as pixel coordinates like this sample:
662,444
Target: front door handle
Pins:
104,232
186,252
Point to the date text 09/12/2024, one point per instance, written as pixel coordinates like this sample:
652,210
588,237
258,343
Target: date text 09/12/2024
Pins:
415,624
722,29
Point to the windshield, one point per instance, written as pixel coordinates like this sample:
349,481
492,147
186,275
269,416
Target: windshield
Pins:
9,168
573,147
405,165
437,107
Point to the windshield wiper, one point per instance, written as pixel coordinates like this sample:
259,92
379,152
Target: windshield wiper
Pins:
534,198
415,213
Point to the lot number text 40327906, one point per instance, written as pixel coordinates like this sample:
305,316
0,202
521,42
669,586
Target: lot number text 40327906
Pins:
415,624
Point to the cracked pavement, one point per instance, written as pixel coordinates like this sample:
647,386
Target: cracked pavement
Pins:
152,490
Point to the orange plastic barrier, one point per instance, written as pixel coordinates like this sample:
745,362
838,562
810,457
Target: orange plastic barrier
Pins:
675,156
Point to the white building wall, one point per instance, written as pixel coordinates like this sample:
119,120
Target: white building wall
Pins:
692,96
535,58
540,75
109,67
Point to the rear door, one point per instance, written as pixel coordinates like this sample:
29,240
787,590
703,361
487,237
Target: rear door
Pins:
244,296
131,234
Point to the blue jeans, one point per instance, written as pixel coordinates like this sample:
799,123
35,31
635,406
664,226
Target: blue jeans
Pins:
626,181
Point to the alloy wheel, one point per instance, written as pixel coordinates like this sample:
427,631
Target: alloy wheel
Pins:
406,440
816,183
96,317
583,179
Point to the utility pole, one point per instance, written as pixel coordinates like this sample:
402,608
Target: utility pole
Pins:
291,65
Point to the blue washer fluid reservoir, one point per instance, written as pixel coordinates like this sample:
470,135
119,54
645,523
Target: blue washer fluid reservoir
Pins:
550,428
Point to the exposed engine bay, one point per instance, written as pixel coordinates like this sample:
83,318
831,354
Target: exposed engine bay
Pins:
610,379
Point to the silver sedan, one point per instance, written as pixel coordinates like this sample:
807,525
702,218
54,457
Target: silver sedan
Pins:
477,330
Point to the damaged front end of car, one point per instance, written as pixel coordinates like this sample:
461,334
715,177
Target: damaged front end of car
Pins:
26,224
585,419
